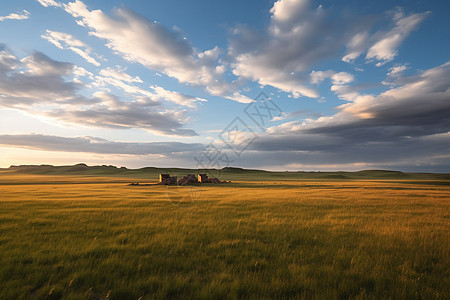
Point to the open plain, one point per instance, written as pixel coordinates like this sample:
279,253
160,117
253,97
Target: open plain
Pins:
94,237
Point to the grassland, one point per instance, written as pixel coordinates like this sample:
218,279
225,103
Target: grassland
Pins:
94,237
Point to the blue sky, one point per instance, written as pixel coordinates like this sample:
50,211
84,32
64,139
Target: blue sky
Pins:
279,85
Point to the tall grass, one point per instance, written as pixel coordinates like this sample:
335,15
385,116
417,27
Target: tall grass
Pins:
324,239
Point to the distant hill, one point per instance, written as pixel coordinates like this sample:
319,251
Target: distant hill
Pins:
228,173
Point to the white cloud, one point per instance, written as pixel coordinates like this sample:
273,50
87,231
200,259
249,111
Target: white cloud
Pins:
118,78
425,95
385,49
66,41
381,46
336,78
149,43
398,113
356,46
341,88
298,36
256,68
82,72
344,92
42,86
119,74
280,56
48,3
397,128
16,16
289,10
342,78
178,98
317,77
302,113
397,70
285,127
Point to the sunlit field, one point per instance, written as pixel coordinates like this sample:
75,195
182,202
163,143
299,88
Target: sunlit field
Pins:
76,237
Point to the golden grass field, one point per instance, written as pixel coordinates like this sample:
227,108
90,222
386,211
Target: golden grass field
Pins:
76,237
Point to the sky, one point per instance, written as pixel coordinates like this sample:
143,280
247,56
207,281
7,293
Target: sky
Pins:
297,85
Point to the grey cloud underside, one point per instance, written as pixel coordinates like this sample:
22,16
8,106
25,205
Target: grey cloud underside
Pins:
408,129
43,82
37,82
414,156
95,145
411,155
132,117
410,122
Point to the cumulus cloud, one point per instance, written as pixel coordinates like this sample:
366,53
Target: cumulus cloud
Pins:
66,41
294,40
95,145
336,77
317,77
299,36
39,84
16,16
342,78
339,81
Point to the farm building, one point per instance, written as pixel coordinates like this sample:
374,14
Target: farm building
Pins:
167,179
163,176
202,178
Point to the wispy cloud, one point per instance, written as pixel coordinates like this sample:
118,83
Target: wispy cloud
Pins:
301,113
381,46
385,48
156,47
16,16
66,41
178,98
118,78
48,3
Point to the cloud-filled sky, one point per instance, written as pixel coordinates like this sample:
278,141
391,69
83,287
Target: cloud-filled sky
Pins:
278,85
